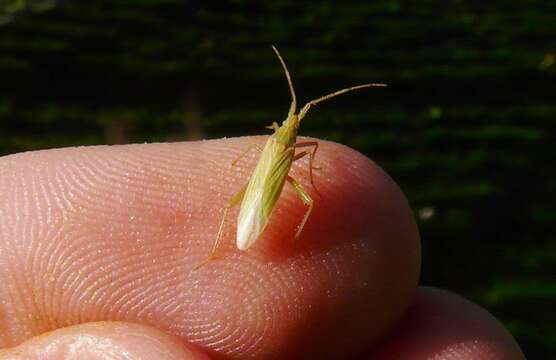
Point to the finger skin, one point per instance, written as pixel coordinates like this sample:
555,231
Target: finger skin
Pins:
443,326
104,340
113,233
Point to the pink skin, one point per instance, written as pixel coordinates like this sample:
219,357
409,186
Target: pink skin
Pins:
113,233
442,325
104,340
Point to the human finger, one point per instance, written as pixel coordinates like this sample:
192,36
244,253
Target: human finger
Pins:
114,233
104,340
444,326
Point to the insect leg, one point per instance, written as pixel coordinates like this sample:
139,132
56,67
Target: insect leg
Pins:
252,146
274,126
233,202
306,198
300,155
315,146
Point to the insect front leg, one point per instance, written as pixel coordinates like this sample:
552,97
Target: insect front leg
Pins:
315,146
274,126
252,146
233,202
306,198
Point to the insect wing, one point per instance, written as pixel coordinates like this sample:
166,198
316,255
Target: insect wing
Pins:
263,190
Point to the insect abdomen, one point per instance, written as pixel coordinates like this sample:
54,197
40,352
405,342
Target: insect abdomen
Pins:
263,191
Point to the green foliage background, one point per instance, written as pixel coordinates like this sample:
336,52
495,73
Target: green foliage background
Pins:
466,126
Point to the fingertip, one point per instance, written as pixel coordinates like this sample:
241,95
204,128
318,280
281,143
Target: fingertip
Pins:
117,231
355,267
442,325
104,340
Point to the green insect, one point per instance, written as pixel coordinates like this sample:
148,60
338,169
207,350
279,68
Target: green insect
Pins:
259,196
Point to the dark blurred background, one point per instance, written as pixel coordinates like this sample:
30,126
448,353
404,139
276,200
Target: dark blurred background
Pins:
466,126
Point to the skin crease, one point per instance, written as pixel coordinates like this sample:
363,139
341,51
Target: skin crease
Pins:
113,233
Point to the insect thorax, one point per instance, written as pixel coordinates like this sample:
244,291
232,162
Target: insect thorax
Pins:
287,132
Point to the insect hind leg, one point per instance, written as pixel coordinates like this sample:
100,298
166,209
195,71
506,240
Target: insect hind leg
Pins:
306,198
233,202
312,154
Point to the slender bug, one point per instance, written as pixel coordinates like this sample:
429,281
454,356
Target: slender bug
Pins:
259,196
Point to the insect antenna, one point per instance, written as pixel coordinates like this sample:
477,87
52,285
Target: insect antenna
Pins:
293,106
311,103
